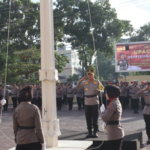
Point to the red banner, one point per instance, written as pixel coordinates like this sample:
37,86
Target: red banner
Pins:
133,57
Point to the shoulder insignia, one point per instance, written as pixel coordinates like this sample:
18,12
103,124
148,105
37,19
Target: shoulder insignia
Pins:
95,82
86,89
86,82
109,105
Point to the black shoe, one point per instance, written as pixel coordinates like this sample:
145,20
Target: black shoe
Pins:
95,135
89,134
148,142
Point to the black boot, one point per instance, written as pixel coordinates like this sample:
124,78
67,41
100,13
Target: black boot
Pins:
89,134
148,142
95,135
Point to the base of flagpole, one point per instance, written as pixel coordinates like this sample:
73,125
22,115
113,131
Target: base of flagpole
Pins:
69,145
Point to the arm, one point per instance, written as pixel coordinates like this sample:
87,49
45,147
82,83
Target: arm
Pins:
141,92
15,125
38,126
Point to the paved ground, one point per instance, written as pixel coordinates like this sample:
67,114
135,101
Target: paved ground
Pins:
72,120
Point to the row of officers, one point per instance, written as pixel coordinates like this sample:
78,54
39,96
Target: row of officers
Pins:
14,91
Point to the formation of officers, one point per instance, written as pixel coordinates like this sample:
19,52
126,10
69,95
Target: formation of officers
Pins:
14,90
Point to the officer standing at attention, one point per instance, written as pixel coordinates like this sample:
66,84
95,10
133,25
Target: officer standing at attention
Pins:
14,94
6,97
130,94
27,124
59,96
79,96
39,96
112,116
122,94
70,96
146,112
142,86
135,88
92,88
126,94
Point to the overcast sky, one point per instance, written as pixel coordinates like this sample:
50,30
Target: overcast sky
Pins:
137,11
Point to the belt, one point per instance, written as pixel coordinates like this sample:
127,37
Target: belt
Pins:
147,104
22,127
112,122
89,96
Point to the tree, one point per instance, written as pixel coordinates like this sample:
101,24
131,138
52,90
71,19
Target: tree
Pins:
142,34
107,27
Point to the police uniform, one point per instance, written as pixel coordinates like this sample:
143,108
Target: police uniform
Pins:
6,97
64,96
146,110
126,94
123,64
27,126
122,94
91,104
79,96
59,96
112,116
14,94
39,97
19,89
142,86
70,96
34,100
135,98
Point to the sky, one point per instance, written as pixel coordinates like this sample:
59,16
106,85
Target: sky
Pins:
137,11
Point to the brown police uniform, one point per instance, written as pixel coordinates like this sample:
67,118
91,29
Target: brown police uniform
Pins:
39,97
142,98
135,98
14,94
91,103
27,124
79,96
122,95
114,129
123,64
70,96
146,110
59,96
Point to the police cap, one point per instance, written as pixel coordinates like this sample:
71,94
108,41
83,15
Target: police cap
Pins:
112,91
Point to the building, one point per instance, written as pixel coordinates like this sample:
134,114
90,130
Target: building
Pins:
72,67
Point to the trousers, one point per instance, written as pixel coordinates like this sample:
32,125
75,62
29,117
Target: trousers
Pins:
70,102
147,123
31,146
79,99
115,144
14,100
91,114
142,102
136,104
39,102
59,102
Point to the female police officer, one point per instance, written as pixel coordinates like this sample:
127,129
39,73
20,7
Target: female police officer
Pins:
27,123
146,111
111,116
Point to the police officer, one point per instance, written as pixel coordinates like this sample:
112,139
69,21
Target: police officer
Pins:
142,86
122,63
145,92
14,94
27,123
39,96
64,91
126,93
112,116
70,96
135,88
34,101
59,96
130,95
122,94
79,96
19,89
91,87
6,97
